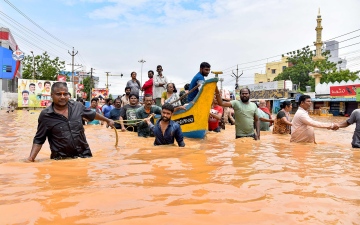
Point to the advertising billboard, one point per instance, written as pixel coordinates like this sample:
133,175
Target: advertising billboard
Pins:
101,93
36,93
344,90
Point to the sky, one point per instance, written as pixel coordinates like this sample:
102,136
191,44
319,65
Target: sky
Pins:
113,35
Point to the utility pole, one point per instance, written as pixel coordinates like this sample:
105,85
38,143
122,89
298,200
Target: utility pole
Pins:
73,54
142,61
107,79
73,71
91,83
237,76
33,64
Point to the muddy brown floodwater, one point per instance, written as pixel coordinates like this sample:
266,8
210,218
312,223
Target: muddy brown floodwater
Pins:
218,180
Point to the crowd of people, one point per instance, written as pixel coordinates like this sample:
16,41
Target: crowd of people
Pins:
126,113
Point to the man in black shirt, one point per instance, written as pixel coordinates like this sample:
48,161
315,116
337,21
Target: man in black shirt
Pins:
61,123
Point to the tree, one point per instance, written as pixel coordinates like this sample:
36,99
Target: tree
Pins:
302,64
45,67
338,76
87,82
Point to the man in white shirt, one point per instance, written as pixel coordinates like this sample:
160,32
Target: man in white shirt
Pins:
160,82
302,129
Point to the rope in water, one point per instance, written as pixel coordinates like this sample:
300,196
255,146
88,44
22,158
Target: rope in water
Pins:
118,121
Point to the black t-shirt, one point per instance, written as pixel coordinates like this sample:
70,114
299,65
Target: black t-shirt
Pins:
128,112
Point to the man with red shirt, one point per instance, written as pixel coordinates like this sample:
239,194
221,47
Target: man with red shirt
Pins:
147,88
216,112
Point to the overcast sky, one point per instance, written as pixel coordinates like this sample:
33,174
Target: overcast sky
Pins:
113,35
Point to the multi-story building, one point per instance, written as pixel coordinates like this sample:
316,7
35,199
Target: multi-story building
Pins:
333,47
10,69
271,71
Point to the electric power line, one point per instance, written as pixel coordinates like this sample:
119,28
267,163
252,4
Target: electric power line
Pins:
37,25
295,50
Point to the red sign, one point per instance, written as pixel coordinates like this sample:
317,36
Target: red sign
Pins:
345,90
61,78
84,95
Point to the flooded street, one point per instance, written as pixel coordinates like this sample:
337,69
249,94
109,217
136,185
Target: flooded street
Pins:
218,180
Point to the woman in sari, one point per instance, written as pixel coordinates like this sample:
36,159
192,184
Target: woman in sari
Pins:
282,122
170,95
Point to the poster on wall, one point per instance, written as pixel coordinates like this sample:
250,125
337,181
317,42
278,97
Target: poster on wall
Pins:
100,93
36,93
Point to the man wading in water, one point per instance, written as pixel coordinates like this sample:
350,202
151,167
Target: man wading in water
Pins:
61,123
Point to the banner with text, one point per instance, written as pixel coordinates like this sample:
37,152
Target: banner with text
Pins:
344,90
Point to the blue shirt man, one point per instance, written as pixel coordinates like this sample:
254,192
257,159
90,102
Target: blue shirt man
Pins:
107,108
166,130
199,79
115,112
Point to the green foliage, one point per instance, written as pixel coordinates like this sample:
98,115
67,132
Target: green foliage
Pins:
45,67
302,65
87,87
345,75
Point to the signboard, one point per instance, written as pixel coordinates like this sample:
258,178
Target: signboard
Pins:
36,93
18,55
269,94
274,85
344,91
7,63
101,93
79,88
61,78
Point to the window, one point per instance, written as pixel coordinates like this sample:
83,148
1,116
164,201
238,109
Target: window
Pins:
283,68
273,71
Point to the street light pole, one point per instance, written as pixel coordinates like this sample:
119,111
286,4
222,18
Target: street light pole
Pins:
142,61
33,64
221,81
